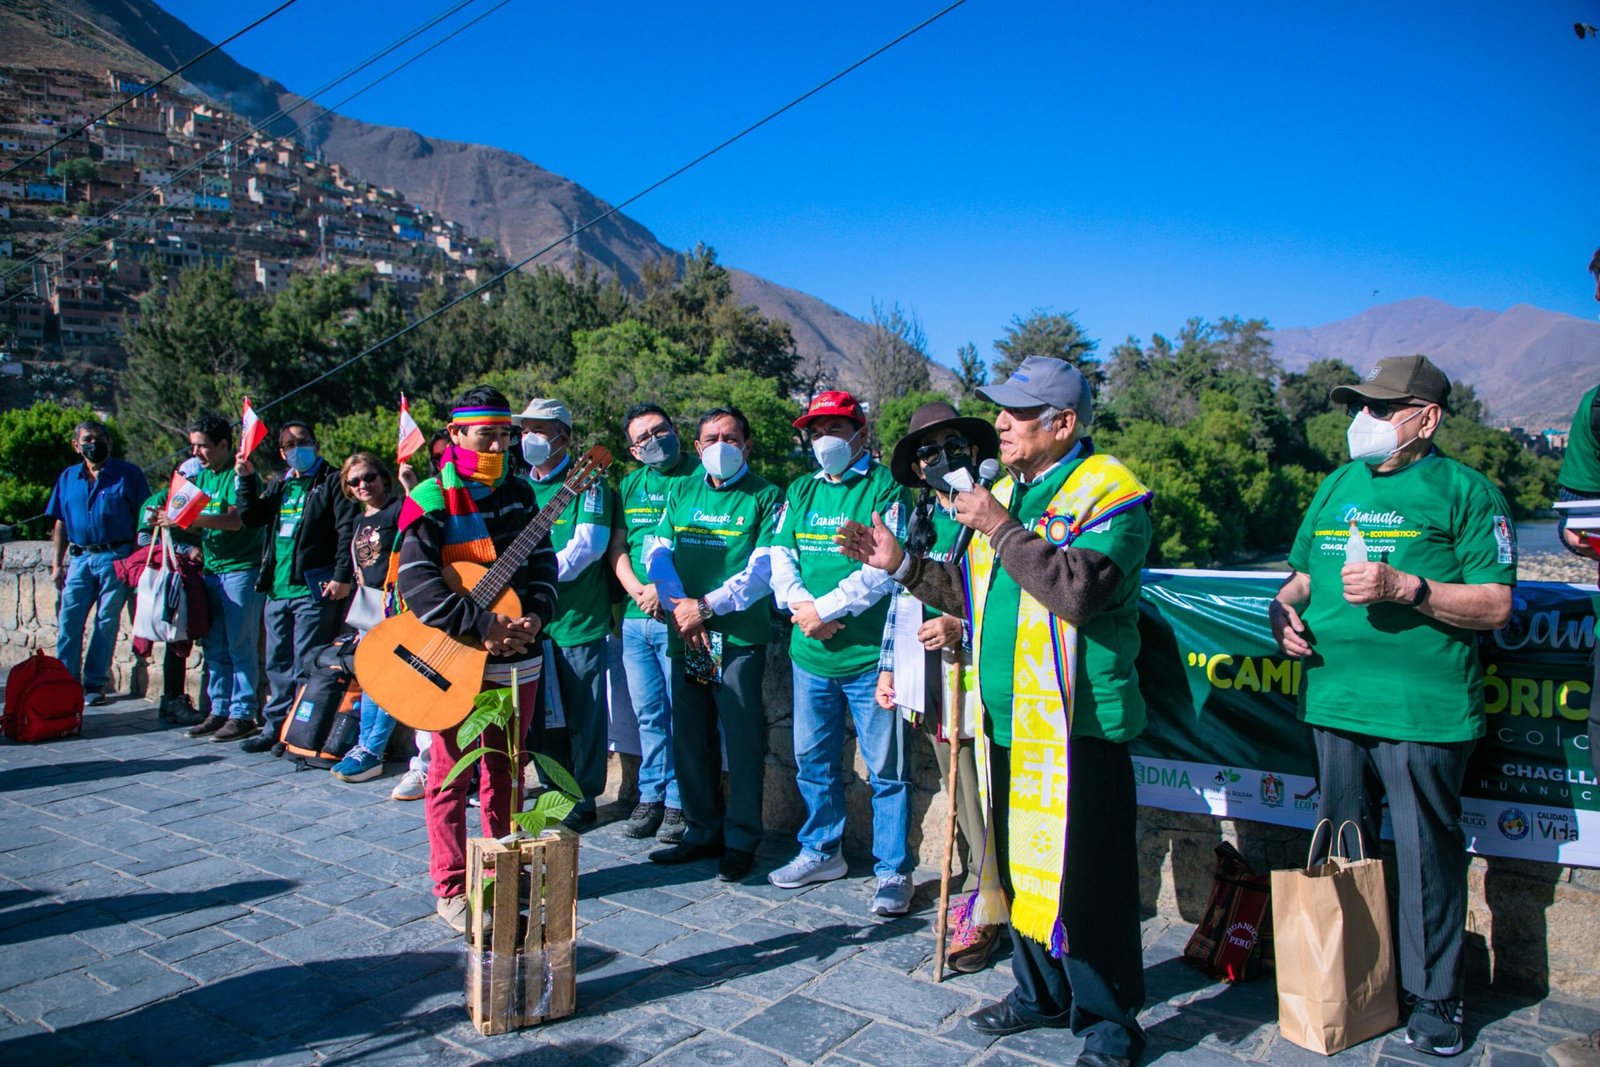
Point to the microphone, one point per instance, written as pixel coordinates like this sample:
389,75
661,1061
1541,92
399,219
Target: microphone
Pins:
988,474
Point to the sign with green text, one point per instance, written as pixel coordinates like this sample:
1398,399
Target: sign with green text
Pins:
1224,737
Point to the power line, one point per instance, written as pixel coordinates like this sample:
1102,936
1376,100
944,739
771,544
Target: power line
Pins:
130,227
652,187
147,89
259,127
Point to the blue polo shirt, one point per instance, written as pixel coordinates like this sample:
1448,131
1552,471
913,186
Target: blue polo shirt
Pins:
102,510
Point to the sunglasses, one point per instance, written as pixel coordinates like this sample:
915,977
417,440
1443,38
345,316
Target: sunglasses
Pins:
362,479
953,450
1381,409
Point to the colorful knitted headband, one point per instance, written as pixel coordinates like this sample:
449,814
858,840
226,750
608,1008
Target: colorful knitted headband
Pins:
480,416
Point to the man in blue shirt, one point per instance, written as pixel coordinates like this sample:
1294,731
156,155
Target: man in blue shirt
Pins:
96,507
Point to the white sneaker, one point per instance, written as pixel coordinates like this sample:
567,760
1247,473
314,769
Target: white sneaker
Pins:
893,896
453,910
411,786
807,868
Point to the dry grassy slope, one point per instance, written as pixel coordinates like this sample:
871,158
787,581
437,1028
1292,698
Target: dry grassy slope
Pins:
490,191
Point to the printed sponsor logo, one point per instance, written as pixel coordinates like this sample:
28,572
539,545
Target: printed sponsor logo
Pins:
1372,518
1474,820
1506,539
1271,790
1243,934
815,519
711,520
1558,826
1161,777
1223,783
1513,824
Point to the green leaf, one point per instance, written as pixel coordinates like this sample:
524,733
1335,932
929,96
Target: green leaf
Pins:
484,893
558,776
555,806
467,759
532,821
491,708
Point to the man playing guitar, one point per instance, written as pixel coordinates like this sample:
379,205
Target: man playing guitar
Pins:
470,512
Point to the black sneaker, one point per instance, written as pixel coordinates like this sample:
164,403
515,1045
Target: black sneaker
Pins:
579,820
672,827
645,820
210,725
179,711
1435,1027
259,743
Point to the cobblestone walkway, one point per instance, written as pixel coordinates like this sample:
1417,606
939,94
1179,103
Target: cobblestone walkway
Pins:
173,901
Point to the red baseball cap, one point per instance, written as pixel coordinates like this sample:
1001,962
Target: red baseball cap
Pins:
833,402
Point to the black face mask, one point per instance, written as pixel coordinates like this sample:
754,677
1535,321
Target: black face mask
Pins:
96,451
934,473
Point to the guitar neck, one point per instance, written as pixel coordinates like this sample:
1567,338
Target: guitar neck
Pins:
506,564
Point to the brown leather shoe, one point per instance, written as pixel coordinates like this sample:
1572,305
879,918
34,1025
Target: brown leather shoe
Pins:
209,725
234,729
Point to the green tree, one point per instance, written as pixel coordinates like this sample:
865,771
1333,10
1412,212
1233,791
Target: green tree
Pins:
970,370
196,348
376,431
894,360
893,420
1045,333
36,445
79,169
1305,393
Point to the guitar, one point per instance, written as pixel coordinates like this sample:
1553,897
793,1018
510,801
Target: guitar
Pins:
427,678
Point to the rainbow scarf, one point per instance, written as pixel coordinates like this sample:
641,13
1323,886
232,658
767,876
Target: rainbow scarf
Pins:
1043,686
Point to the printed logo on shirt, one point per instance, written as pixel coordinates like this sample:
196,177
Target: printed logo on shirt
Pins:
592,502
1372,518
1505,537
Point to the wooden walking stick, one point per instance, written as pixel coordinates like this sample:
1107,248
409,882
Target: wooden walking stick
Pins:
953,729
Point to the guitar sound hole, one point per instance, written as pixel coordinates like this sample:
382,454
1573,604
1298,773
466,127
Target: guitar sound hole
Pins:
418,664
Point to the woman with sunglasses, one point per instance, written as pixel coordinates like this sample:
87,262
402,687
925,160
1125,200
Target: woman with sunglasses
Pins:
939,455
366,481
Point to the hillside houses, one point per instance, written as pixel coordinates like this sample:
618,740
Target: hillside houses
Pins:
167,184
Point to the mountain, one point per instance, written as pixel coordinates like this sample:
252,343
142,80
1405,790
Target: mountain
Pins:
1528,365
491,192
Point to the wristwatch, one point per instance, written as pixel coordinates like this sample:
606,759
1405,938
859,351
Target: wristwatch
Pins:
1422,592
705,609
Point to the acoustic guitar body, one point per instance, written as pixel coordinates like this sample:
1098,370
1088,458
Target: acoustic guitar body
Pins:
422,676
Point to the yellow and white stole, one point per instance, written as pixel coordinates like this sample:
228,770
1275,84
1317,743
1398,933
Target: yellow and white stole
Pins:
1043,685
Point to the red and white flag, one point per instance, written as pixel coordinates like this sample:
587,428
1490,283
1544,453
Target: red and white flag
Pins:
254,432
184,501
410,433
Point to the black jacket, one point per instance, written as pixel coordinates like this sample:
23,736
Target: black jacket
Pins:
322,539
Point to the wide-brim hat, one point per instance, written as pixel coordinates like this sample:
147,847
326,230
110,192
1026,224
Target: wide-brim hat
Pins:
938,415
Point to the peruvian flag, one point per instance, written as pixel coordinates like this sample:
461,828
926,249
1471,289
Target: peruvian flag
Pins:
410,433
254,432
184,501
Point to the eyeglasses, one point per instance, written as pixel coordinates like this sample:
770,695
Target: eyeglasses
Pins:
1380,409
656,434
362,479
954,450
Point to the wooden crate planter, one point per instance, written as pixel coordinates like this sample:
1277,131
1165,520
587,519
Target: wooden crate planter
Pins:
524,970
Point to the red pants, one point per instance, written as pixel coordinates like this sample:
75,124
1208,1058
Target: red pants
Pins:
446,805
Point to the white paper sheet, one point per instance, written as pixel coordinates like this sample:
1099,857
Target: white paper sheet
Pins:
910,661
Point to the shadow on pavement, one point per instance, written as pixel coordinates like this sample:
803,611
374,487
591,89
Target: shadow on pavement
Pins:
94,770
98,912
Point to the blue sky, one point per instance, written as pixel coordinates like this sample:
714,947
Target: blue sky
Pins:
1134,164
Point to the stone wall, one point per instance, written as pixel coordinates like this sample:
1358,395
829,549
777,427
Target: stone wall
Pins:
1531,925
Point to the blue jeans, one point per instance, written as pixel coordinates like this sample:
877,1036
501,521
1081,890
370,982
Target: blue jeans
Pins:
644,659
819,707
91,583
376,726
233,665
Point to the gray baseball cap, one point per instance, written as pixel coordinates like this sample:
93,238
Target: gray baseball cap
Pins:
545,408
1043,380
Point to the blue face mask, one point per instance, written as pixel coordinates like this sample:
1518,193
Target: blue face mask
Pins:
301,457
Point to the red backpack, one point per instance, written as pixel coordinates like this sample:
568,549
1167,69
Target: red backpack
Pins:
43,700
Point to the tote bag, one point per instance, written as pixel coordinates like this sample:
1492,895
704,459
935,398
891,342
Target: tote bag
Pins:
161,611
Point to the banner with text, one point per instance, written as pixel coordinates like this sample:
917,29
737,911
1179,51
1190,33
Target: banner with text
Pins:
1224,737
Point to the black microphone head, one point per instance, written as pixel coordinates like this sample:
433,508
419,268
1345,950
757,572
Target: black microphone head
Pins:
989,471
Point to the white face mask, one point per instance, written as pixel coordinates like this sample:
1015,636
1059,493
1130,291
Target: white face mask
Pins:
535,448
834,453
721,460
1372,439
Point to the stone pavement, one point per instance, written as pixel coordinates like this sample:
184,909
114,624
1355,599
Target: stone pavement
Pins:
173,901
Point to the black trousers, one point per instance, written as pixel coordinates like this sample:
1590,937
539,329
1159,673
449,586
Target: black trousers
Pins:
703,718
1423,784
1099,984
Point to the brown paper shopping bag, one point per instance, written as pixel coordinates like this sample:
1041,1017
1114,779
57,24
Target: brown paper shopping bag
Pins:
1335,955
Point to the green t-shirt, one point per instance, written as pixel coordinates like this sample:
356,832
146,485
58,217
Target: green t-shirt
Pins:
713,533
152,508
1386,669
226,551
643,497
1107,704
814,509
1580,466
290,511
583,601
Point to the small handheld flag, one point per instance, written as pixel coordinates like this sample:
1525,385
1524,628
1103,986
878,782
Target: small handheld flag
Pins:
410,433
184,501
254,431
